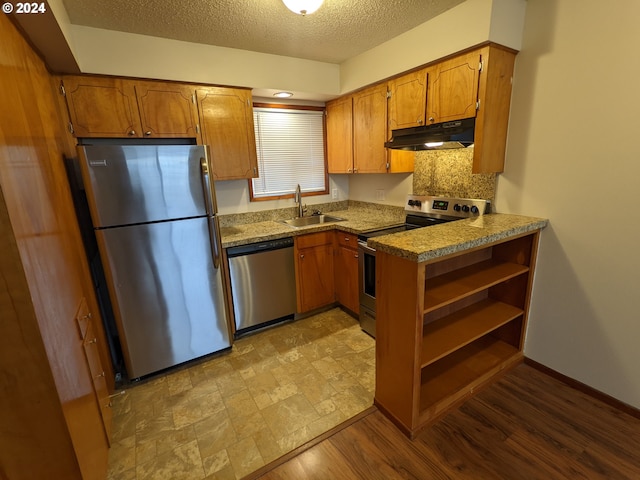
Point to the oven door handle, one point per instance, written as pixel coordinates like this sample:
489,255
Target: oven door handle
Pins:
365,248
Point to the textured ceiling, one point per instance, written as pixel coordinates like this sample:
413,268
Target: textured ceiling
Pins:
339,30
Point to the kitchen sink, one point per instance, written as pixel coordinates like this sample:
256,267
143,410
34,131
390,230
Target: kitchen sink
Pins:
311,220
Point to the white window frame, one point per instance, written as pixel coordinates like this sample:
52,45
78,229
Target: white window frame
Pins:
297,157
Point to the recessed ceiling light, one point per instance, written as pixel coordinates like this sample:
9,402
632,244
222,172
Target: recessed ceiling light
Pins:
283,94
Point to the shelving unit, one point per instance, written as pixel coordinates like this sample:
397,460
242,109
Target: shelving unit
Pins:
451,326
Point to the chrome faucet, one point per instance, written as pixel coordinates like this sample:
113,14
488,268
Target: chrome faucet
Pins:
297,197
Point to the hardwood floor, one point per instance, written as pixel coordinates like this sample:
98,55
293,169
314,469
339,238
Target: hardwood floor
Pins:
527,425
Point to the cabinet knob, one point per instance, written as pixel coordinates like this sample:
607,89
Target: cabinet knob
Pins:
132,133
101,375
419,121
355,255
148,134
93,340
346,239
431,119
348,170
302,255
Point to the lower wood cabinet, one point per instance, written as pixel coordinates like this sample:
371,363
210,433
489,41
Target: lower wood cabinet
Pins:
314,270
346,270
448,326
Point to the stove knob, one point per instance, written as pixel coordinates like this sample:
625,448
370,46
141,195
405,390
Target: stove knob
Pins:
418,203
456,207
465,208
474,209
412,203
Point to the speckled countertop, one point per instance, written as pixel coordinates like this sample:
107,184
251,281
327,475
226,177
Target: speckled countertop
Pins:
439,240
357,220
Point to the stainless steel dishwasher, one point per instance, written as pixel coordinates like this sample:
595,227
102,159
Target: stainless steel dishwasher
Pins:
263,285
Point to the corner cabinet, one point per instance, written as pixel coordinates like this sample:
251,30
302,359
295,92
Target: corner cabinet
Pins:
314,270
109,107
226,116
449,327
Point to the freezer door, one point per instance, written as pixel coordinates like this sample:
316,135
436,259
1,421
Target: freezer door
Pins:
167,297
128,184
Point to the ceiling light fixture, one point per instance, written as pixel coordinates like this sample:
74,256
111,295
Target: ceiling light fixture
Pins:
283,94
303,7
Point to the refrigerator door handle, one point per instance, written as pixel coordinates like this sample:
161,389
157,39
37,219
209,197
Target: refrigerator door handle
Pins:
212,221
206,186
214,237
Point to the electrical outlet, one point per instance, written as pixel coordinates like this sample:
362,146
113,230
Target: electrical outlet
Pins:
334,194
379,194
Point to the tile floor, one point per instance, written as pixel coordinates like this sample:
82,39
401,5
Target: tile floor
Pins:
228,416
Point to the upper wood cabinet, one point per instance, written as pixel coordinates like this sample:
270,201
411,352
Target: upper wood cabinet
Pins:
116,108
453,88
102,107
406,108
167,110
339,120
370,130
408,100
226,115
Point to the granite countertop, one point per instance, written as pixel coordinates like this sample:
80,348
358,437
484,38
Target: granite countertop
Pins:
424,244
357,220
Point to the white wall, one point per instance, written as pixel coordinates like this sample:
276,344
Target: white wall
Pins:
573,158
394,186
466,25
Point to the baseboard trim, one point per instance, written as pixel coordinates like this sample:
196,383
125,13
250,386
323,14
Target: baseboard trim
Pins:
586,389
306,446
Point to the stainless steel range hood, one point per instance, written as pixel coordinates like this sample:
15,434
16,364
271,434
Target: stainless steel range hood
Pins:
446,135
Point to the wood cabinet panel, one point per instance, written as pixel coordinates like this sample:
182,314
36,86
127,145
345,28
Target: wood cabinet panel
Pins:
340,135
408,100
167,110
102,107
54,429
453,88
98,376
346,277
314,270
226,116
370,130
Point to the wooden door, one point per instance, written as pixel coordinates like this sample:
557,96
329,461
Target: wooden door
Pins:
167,110
453,89
314,270
102,107
407,100
346,277
340,135
370,130
226,116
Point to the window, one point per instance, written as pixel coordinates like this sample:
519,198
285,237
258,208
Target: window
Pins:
290,146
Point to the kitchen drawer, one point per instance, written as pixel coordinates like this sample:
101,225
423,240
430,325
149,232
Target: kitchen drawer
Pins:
345,239
314,239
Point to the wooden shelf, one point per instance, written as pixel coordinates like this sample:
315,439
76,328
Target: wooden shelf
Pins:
450,287
454,331
456,375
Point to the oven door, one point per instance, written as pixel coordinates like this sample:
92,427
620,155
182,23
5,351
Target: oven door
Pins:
367,276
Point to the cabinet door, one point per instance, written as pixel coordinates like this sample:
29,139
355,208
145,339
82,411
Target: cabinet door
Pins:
340,135
226,116
167,110
370,130
453,89
102,107
314,271
346,277
407,100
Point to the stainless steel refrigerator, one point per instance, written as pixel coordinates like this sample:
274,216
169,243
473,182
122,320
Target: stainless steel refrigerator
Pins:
153,210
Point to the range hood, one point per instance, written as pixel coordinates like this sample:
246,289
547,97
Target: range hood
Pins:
439,136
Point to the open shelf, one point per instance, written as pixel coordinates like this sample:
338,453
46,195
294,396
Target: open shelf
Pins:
452,286
457,374
454,331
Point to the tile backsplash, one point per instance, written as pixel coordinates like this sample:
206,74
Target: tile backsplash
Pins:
448,173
